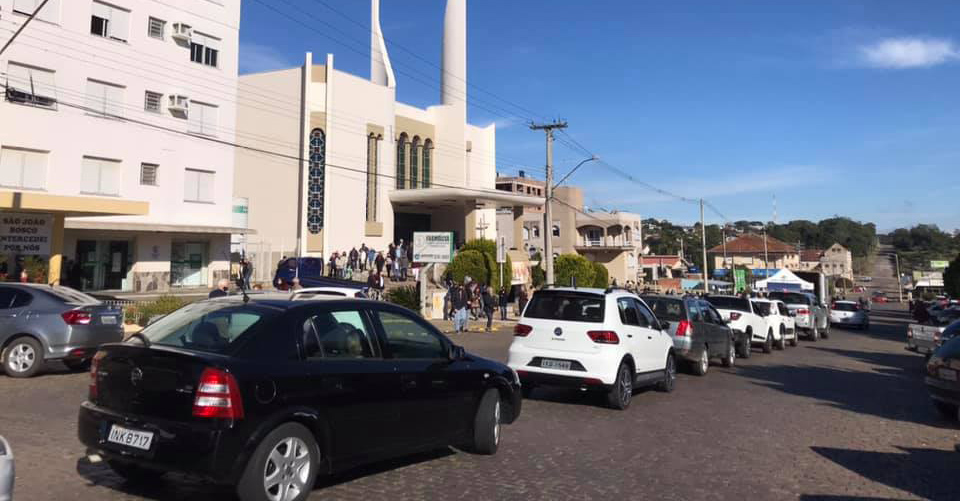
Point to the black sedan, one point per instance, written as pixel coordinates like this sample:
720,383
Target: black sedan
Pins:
943,378
267,394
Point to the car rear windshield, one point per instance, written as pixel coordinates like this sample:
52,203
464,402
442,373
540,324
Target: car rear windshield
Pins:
665,308
730,303
792,298
211,326
569,306
846,306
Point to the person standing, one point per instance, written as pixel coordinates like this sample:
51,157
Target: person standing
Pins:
523,299
503,300
341,264
458,300
487,303
379,262
364,262
371,258
332,266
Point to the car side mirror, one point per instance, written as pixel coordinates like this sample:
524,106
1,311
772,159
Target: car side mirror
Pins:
457,352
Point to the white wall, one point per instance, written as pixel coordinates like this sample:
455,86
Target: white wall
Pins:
141,63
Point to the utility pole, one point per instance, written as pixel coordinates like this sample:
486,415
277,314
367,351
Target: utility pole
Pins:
548,196
899,279
766,257
703,237
24,25
723,234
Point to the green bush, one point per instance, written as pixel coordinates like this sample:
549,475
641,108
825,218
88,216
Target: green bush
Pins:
143,313
491,274
537,274
601,277
569,266
405,296
468,263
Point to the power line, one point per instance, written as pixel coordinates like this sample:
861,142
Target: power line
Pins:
23,26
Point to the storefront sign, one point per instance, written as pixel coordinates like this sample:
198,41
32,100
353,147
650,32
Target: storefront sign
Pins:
521,273
432,247
939,265
739,280
25,234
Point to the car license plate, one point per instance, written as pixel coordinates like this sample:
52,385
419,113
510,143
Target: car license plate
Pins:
108,320
131,438
947,374
561,365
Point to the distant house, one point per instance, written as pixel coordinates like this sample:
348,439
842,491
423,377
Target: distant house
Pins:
749,250
663,267
810,259
837,261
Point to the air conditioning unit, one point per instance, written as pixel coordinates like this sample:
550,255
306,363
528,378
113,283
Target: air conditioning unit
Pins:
182,32
178,103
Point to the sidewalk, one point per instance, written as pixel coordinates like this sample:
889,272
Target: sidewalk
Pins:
478,326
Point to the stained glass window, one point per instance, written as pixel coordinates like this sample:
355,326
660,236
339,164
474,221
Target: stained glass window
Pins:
315,180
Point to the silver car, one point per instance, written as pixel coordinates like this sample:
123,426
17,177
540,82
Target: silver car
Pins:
39,323
6,471
849,313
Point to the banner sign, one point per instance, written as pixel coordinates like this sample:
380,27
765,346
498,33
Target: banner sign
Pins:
939,265
25,234
521,273
432,247
739,280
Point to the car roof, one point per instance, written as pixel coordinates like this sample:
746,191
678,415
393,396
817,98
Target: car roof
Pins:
284,301
588,290
845,301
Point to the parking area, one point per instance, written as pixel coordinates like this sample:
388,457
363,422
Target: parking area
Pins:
843,418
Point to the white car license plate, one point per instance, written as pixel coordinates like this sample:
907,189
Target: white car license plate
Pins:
131,438
108,320
561,365
947,374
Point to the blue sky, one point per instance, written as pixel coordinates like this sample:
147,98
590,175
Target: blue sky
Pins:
835,107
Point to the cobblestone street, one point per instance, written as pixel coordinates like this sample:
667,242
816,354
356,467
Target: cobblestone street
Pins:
843,418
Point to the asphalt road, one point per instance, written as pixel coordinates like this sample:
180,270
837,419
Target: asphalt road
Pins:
844,418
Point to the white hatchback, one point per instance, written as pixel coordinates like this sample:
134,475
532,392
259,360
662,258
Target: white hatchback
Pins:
592,339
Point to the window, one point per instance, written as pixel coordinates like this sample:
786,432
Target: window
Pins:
646,316
316,180
209,325
49,13
526,233
155,28
198,186
409,339
414,162
151,101
202,119
104,98
556,230
109,22
565,305
148,174
628,312
784,312
204,49
401,162
665,308
693,308
100,176
427,154
536,232
21,168
339,334
373,159
31,85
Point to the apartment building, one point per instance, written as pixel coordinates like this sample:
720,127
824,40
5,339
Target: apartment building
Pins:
106,129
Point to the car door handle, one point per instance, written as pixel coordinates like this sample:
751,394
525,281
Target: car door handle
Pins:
629,335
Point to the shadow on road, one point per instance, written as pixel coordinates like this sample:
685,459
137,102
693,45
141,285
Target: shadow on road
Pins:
185,488
927,473
908,364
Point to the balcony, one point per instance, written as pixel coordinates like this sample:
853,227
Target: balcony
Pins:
599,242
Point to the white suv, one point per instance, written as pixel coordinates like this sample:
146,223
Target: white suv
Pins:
742,315
781,327
592,339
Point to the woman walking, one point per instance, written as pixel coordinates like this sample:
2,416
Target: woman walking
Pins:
487,302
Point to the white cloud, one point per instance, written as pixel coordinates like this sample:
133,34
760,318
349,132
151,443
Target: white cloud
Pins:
908,52
256,58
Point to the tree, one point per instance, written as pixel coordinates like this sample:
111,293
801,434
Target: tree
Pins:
537,273
468,263
569,266
951,278
491,275
601,277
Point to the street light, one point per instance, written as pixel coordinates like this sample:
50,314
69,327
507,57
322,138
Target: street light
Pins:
591,159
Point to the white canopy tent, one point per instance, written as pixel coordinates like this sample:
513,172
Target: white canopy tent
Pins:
784,280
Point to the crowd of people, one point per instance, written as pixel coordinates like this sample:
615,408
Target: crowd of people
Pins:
475,300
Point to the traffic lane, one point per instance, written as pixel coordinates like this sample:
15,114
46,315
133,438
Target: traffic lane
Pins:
785,425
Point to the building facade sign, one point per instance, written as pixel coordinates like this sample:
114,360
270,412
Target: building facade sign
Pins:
432,246
25,234
939,265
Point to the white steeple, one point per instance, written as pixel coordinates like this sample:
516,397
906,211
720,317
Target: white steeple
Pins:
454,75
381,72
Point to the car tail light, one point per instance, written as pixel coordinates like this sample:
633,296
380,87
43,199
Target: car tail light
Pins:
604,337
684,328
522,330
803,311
735,316
93,391
592,381
217,396
76,317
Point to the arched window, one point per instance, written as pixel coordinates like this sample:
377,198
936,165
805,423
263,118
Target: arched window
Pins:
536,232
373,161
315,180
402,161
427,158
415,162
526,233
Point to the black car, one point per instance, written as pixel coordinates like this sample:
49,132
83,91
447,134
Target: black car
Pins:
265,394
943,373
699,332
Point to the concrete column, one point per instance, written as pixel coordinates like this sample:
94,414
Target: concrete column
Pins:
518,227
470,221
56,251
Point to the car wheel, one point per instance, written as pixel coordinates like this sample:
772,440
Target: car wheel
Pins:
486,424
768,343
731,356
77,365
747,349
283,467
669,375
23,357
621,393
782,343
826,333
796,337
815,333
134,474
948,411
702,364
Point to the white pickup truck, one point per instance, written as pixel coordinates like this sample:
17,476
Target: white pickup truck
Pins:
924,338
